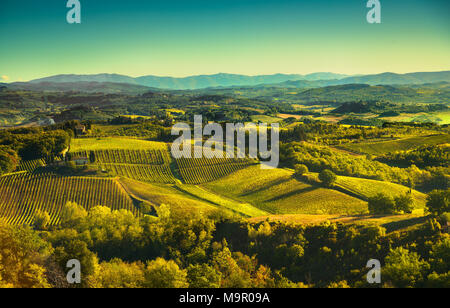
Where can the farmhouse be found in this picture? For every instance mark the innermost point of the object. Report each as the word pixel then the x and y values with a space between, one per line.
pixel 81 161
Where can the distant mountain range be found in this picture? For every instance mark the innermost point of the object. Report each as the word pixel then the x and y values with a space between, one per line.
pixel 192 82
pixel 113 83
pixel 373 80
pixel 80 86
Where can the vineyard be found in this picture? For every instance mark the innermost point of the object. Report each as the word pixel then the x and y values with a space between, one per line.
pixel 141 165
pixel 203 170
pixel 26 192
pixel 22 195
pixel 149 157
pixel 30 165
pixel 145 173
pixel 278 192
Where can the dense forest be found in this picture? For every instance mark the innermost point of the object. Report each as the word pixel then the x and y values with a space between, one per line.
pixel 117 249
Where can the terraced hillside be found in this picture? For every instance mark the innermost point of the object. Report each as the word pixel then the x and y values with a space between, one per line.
pixel 22 195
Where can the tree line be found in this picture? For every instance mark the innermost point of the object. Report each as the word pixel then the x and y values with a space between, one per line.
pixel 118 249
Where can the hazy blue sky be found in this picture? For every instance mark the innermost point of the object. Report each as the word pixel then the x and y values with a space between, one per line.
pixel 181 37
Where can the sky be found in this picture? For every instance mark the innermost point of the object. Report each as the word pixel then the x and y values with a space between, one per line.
pixel 182 38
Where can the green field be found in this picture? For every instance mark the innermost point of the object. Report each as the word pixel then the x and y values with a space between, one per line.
pixel 369 188
pixel 266 119
pixel 383 147
pixel 240 208
pixel 442 117
pixel 277 192
pixel 158 194
pixel 112 143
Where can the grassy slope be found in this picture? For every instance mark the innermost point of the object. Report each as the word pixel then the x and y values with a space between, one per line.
pixel 158 194
pixel 378 148
pixel 277 192
pixel 107 143
pixel 369 188
pixel 244 209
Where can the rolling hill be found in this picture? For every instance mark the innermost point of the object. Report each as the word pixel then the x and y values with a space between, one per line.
pixel 352 92
pixel 389 146
pixel 278 192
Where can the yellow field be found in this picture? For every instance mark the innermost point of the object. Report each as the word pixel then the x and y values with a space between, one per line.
pixel 112 143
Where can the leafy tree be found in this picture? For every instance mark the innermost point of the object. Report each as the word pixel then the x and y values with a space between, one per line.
pixel 165 274
pixel 440 255
pixel 71 245
pixel 404 269
pixel 71 215
pixel 233 276
pixel 203 276
pixel 381 204
pixel 404 203
pixel 41 220
pixel 438 202
pixel 118 274
pixel 22 258
pixel 8 160
pixel 328 178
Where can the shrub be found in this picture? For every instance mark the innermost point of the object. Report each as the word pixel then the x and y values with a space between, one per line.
pixel 301 169
pixel 328 178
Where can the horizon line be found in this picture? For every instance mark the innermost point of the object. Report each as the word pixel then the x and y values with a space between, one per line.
pixel 222 73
